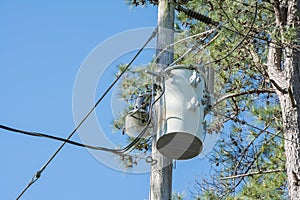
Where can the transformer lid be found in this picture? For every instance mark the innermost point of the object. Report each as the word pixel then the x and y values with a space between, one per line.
pixel 179 145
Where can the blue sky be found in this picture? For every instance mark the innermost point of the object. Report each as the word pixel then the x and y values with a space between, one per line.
pixel 43 45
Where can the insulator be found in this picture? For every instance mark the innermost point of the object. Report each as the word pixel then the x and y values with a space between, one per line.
pixel 195 15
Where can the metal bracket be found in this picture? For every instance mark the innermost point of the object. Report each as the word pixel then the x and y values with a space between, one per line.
pixel 195 79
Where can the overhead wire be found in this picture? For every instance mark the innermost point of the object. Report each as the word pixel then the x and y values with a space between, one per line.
pixel 67 140
pixel 205 33
pixel 116 151
pixel 36 134
pixel 182 40
pixel 208 20
pixel 195 46
pixel 39 172
pixel 43 135
pixel 221 25
pixel 209 32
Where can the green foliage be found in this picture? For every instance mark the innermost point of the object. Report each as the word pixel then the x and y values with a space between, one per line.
pixel 133 83
pixel 252 136
pixel 242 148
pixel 264 187
pixel 141 2
pixel 178 196
pixel 290 34
pixel 208 194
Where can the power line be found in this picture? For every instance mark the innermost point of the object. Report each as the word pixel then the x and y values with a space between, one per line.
pixel 196 46
pixel 115 151
pixel 39 172
pixel 182 40
pixel 205 33
pixel 208 20
pixel 36 134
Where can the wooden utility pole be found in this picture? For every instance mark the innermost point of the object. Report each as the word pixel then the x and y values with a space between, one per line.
pixel 161 170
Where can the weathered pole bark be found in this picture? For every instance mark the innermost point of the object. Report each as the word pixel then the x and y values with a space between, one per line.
pixel 161 171
pixel 284 72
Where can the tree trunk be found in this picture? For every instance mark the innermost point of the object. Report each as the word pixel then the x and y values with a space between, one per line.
pixel 291 123
pixel 284 73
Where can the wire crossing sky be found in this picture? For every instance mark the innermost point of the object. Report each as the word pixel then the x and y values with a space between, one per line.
pixel 42 47
pixel 39 172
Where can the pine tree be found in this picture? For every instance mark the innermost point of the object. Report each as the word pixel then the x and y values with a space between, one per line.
pixel 261 79
pixel 254 48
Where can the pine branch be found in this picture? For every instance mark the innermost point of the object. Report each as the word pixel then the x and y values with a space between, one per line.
pixel 247 148
pixel 253 173
pixel 255 91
